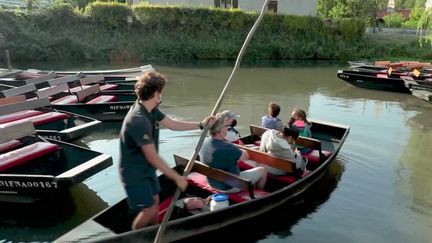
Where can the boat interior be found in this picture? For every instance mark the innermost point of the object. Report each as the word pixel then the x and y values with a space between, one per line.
pixel 325 144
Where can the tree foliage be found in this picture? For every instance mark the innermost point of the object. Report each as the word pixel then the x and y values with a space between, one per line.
pixel 349 8
pixel 401 4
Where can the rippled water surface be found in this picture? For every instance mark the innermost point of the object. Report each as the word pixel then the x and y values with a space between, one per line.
pixel 377 190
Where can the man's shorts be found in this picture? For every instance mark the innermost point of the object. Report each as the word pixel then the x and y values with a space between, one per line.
pixel 140 195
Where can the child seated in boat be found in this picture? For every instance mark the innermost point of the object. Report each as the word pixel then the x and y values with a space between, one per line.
pixel 281 144
pixel 299 120
pixel 271 120
pixel 218 153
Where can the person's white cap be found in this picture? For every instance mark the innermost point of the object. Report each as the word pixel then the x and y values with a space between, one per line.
pixel 228 114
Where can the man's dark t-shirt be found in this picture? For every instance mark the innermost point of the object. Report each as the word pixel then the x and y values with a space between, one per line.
pixel 220 155
pixel 139 127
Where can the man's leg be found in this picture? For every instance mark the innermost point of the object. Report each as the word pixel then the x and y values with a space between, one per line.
pixel 147 216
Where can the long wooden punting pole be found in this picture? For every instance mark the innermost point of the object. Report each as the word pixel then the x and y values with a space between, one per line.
pixel 8 62
pixel 218 104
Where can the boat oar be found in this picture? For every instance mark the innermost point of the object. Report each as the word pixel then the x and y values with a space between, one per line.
pixel 190 164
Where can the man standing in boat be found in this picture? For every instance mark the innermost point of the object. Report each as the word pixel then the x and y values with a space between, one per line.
pixel 139 140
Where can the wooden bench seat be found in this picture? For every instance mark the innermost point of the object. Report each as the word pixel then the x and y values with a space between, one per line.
pixel 198 178
pixel 43 118
pixel 18 116
pixel 102 87
pixel 25 154
pixel 4 147
pixel 78 88
pixel 102 99
pixel 286 179
pixel 69 99
pixel 108 87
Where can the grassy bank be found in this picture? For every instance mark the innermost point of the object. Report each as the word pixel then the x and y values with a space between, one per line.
pixel 113 31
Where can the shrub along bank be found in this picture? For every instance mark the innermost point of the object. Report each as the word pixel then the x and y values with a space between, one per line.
pixel 107 31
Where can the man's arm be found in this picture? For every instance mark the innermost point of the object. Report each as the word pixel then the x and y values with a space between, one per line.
pixel 178 125
pixel 149 151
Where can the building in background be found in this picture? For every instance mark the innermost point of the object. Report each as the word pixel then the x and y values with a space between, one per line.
pixel 11 4
pixel 291 7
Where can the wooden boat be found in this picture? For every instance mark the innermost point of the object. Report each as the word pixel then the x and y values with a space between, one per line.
pixel 49 123
pixel 75 81
pixel 378 82
pixel 384 65
pixel 113 74
pixel 423 92
pixel 92 103
pixel 32 167
pixel 88 101
pixel 113 224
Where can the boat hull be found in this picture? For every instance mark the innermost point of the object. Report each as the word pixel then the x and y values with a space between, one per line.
pixel 110 111
pixel 104 228
pixel 52 173
pixel 373 82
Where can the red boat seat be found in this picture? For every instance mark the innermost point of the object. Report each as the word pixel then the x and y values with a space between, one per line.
pixel 18 115
pixel 25 154
pixel 379 75
pixel 78 88
pixel 4 147
pixel 108 86
pixel 288 179
pixel 43 118
pixel 102 99
pixel 69 99
pixel 200 181
pixel 313 156
pixel 163 207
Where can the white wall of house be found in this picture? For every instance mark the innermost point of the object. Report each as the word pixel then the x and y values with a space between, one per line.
pixel 192 3
pixel 428 4
pixel 22 4
pixel 292 7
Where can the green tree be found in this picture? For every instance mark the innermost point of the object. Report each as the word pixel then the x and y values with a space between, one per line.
pixel 424 27
pixel 349 8
pixel 409 3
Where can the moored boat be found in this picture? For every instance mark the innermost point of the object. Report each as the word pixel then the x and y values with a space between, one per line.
pixel 113 74
pixel 421 91
pixel 113 224
pixel 377 81
pixel 32 167
pixel 49 122
pixel 88 101
pixel 74 81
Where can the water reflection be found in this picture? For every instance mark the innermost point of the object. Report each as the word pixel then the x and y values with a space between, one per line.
pixel 46 219
pixel 413 177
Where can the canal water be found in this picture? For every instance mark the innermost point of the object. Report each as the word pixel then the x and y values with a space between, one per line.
pixel 377 190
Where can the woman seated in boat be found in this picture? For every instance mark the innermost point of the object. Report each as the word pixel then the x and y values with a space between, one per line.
pixel 281 144
pixel 220 154
pixel 271 120
pixel 298 119
pixel 233 136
